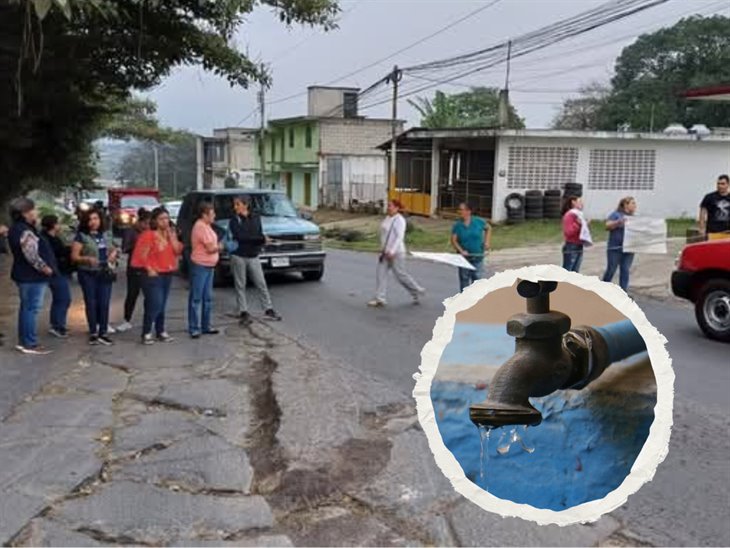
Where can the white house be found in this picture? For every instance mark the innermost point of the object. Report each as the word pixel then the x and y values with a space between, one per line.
pixel 667 173
pixel 229 155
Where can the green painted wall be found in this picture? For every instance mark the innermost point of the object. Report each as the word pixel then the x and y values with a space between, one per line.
pixel 277 158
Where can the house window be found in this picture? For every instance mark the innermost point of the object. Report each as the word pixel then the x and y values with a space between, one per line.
pixel 308 137
pixel 621 169
pixel 349 104
pixel 541 168
pixel 291 138
pixel 214 153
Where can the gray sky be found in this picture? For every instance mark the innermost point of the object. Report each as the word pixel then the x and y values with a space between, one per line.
pixel 372 29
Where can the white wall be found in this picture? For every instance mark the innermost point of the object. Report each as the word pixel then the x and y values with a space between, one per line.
pixel 685 171
pixel 364 177
pixel 354 136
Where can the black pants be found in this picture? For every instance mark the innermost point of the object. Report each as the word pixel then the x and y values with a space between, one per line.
pixel 134 287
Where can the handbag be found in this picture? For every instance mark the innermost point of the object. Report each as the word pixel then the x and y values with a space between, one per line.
pixel 107 274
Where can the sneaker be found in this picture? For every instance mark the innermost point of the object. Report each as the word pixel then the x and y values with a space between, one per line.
pixel 124 326
pixel 245 318
pixel 147 339
pixel 211 331
pixel 165 337
pixel 272 315
pixel 94 340
pixel 110 330
pixel 376 303
pixel 105 340
pixel 58 333
pixel 194 335
pixel 33 351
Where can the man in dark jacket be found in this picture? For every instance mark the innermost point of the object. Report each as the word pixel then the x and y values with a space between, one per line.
pixel 3 250
pixel 134 275
pixel 245 228
pixel 33 266
pixel 59 282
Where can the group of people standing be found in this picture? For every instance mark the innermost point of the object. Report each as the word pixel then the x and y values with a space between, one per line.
pixel 42 260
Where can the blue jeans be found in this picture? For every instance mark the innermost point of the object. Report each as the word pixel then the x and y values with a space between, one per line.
pixel 97 300
pixel 572 256
pixel 156 291
pixel 618 259
pixel 31 302
pixel 468 277
pixel 61 295
pixel 200 298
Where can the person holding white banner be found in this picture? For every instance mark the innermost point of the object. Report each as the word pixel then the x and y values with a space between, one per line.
pixel 576 233
pixel 393 257
pixel 471 237
pixel 617 258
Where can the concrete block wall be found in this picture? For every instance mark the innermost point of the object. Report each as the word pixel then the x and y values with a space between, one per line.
pixel 354 136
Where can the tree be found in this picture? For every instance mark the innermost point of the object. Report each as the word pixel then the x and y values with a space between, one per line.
pixel 583 112
pixel 652 73
pixel 72 66
pixel 478 107
pixel 177 165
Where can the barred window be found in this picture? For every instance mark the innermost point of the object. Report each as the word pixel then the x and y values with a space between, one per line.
pixel 541 168
pixel 625 169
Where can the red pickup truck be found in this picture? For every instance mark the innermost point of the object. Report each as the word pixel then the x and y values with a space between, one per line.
pixel 702 277
pixel 125 202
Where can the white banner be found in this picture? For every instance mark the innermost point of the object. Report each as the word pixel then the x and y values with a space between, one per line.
pixel 645 235
pixel 452 259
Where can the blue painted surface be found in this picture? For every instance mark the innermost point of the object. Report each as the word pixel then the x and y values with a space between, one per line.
pixel 622 339
pixel 584 448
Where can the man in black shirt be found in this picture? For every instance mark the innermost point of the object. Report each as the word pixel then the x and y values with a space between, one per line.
pixel 245 228
pixel 59 282
pixel 715 211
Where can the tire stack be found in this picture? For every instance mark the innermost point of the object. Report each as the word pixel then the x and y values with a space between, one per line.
pixel 552 203
pixel 515 205
pixel 573 189
pixel 534 204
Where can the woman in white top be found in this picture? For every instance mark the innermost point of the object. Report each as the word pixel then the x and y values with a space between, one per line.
pixel 393 256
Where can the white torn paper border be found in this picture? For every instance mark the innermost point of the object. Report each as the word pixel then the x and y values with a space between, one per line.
pixel 652 453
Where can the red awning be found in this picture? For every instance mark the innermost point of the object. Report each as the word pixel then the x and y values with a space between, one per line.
pixel 710 93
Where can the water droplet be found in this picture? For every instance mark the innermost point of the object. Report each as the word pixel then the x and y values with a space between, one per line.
pixel 484 433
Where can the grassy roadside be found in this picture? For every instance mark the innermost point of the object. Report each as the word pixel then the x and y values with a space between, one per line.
pixel 360 233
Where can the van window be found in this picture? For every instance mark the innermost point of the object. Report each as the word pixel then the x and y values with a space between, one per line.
pixel 266 205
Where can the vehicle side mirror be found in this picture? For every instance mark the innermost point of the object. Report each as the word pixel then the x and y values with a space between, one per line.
pixel 306 215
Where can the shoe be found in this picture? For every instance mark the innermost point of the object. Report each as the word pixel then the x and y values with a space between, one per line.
pixel 376 303
pixel 165 337
pixel 105 340
pixel 211 331
pixel 124 326
pixel 58 333
pixel 94 340
pixel 272 315
pixel 33 351
pixel 194 335
pixel 420 292
pixel 245 318
pixel 110 330
pixel 147 339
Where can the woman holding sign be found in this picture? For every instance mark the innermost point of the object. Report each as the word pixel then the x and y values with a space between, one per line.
pixel 617 258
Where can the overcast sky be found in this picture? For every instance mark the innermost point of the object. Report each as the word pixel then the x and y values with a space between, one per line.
pixel 370 30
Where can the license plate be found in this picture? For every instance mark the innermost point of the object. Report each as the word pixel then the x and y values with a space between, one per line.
pixel 280 262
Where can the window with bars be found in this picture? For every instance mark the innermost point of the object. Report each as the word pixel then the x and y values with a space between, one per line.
pixel 541 168
pixel 621 169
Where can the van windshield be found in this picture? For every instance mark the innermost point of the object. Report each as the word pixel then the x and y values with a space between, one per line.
pixel 265 205
pixel 138 201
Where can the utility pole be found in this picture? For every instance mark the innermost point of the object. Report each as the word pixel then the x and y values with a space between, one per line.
pixel 394 78
pixel 651 119
pixel 504 94
pixel 262 131
pixel 174 183
pixel 157 167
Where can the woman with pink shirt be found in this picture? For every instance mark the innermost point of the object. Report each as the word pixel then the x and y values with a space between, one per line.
pixel 203 259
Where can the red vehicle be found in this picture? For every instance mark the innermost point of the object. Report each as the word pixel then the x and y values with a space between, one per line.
pixel 125 202
pixel 703 277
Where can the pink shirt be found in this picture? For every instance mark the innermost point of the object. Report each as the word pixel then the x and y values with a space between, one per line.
pixel 571 228
pixel 202 238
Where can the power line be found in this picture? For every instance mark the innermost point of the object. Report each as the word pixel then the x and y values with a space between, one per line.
pixel 397 52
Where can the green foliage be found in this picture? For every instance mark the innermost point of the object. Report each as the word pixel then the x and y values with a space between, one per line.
pixel 652 74
pixel 69 68
pixel 478 107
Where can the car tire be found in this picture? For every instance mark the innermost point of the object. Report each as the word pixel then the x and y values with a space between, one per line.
pixel 313 275
pixel 712 309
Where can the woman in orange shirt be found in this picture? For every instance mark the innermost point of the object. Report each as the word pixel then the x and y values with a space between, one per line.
pixel 156 253
pixel 203 259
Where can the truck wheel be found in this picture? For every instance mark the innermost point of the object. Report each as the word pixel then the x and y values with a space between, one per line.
pixel 712 309
pixel 313 275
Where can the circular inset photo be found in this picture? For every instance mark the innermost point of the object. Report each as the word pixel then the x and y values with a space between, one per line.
pixel 546 395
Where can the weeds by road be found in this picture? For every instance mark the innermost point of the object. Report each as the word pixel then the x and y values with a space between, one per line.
pixel 355 232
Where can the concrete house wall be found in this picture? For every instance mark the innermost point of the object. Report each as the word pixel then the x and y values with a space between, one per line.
pixel 667 175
